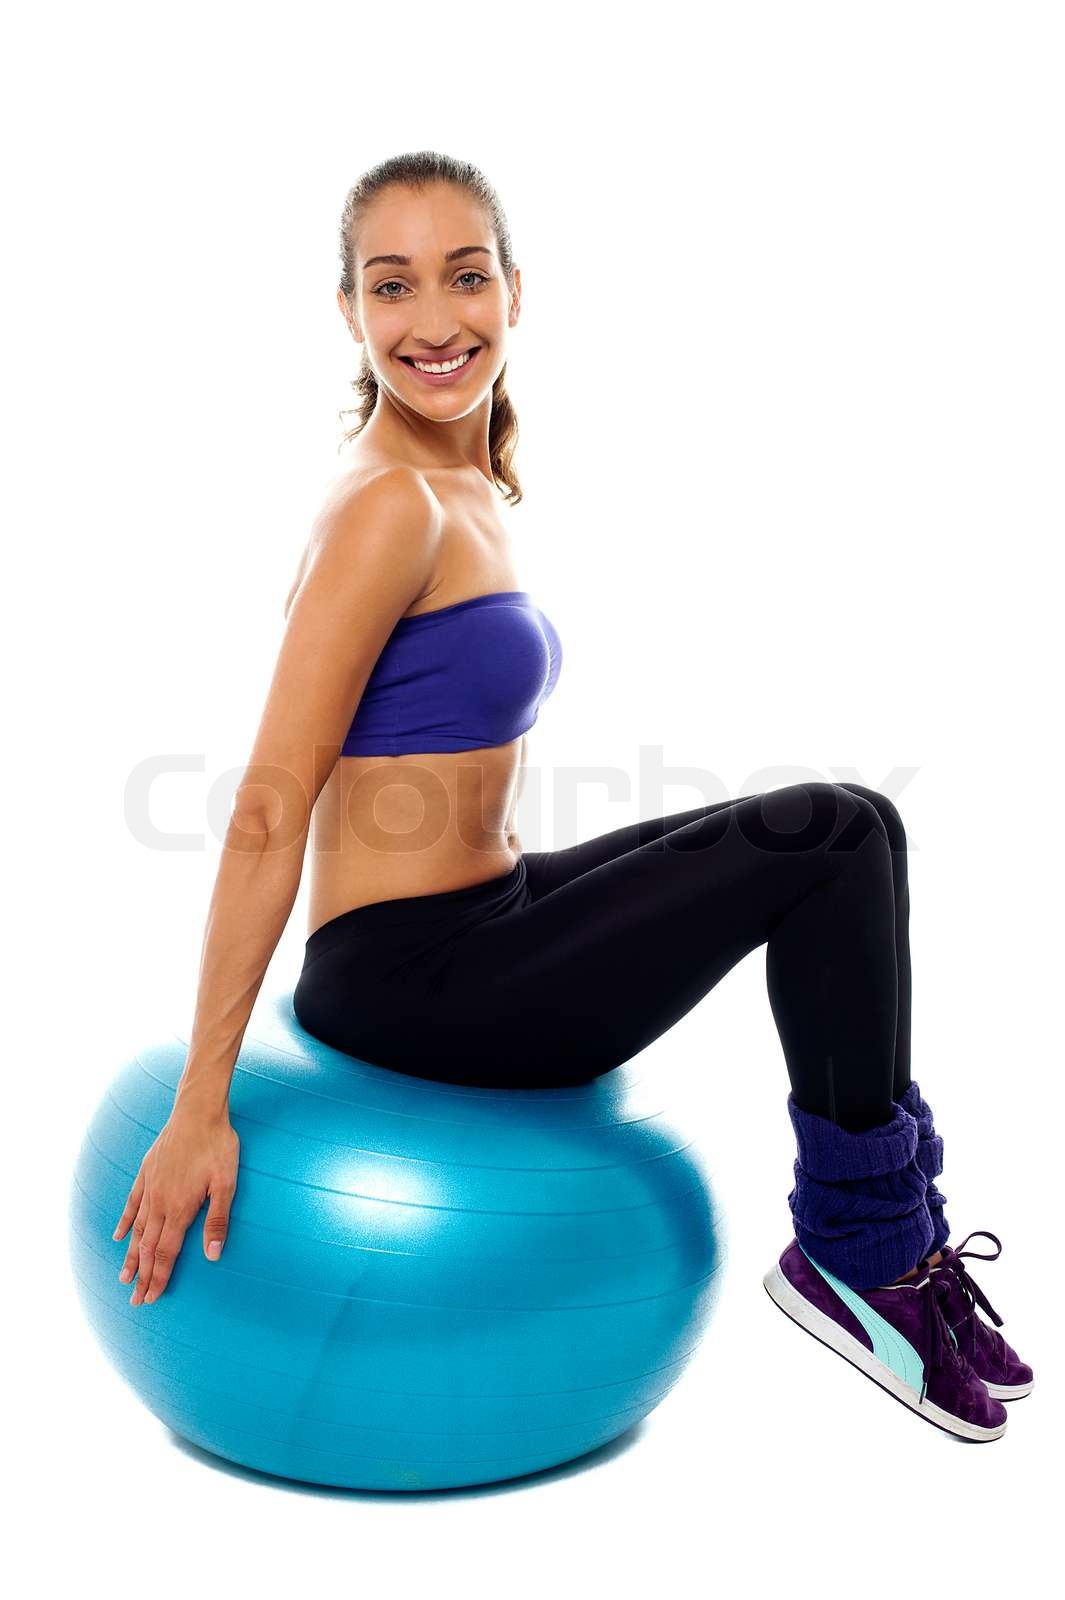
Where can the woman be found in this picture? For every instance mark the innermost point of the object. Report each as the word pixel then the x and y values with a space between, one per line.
pixel 393 739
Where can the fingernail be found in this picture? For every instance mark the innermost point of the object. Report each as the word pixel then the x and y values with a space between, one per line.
pixel 124 1275
pixel 214 1250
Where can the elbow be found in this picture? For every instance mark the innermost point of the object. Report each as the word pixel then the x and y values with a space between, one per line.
pixel 255 830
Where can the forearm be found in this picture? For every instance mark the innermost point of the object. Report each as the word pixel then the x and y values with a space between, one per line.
pixel 254 892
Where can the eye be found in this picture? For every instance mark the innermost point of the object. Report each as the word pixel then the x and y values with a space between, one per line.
pixel 472 288
pixel 470 273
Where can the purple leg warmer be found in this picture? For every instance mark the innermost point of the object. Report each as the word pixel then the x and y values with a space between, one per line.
pixel 929 1159
pixel 859 1198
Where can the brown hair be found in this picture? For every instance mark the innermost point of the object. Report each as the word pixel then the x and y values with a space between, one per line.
pixel 418 170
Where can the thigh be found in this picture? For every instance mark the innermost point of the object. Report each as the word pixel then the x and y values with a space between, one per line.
pixel 547 870
pixel 574 982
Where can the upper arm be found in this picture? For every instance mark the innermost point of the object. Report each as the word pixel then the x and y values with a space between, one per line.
pixel 370 556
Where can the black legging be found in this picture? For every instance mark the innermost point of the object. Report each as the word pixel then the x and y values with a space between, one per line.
pixel 568 965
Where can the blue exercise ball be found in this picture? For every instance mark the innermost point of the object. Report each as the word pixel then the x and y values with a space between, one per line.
pixel 424 1285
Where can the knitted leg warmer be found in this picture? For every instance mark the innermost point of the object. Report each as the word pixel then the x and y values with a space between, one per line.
pixel 859 1198
pixel 929 1159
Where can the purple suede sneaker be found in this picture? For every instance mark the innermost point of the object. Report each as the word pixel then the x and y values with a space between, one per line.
pixel 897 1335
pixel 1007 1377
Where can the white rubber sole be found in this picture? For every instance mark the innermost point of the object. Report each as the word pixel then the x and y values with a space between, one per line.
pixel 815 1321
pixel 1002 1392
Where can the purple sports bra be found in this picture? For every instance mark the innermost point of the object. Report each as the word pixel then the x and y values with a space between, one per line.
pixel 463 677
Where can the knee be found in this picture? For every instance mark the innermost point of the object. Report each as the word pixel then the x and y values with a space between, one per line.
pixel 838 816
pixel 885 810
pixel 802 816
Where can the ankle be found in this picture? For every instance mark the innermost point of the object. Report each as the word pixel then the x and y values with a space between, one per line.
pixel 929 1261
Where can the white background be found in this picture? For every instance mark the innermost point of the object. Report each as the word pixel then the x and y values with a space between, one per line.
pixel 789 381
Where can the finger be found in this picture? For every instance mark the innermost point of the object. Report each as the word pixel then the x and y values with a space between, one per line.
pixel 166 1253
pixel 216 1226
pixel 146 1262
pixel 131 1208
pixel 133 1254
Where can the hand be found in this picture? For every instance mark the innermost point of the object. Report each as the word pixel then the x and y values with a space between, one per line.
pixel 194 1156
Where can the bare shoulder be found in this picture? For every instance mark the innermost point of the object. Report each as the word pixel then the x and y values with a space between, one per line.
pixel 390 505
pixel 397 492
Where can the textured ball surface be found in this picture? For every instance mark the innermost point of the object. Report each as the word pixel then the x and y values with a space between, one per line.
pixel 424 1285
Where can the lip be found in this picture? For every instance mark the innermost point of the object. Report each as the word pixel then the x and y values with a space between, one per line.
pixel 442 379
pixel 437 355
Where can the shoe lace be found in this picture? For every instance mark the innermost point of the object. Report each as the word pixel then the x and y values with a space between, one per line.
pixel 970 1325
pixel 941 1348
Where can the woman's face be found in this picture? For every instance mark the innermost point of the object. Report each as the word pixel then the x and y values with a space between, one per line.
pixel 446 297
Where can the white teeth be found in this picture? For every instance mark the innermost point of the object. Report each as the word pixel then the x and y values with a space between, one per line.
pixel 446 366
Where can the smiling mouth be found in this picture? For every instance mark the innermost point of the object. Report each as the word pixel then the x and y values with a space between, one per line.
pixel 461 357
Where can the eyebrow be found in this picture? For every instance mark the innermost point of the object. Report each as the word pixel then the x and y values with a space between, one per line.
pixel 449 255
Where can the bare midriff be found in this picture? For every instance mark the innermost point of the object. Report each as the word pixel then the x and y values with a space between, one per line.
pixel 386 827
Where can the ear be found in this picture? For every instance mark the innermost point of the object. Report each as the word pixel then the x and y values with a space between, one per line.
pixel 515 299
pixel 348 316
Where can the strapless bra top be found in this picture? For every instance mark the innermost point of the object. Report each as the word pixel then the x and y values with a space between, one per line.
pixel 463 677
